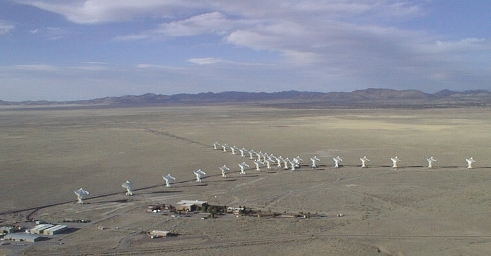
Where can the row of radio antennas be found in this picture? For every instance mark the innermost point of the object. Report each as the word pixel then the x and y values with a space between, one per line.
pixel 261 159
pixel 260 156
pixel 128 185
pixel 395 160
pixel 264 158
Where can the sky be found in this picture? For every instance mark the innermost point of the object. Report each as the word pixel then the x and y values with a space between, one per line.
pixel 85 49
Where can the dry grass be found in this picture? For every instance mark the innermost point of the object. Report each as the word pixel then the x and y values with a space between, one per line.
pixel 46 154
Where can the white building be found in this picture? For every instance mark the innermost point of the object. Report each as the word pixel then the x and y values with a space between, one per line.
pixel 40 228
pixel 55 230
pixel 22 237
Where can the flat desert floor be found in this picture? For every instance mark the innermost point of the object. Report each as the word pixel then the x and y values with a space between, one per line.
pixel 46 154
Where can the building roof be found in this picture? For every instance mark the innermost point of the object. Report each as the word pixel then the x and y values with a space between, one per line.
pixel 192 202
pixel 42 227
pixel 7 228
pixel 56 228
pixel 160 232
pixel 22 236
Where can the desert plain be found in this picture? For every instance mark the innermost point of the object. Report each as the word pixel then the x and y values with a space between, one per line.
pixel 49 152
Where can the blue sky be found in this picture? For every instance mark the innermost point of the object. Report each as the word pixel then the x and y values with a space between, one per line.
pixel 83 49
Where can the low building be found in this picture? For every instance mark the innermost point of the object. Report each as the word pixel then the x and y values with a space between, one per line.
pixel 235 210
pixel 159 233
pixel 190 205
pixel 55 230
pixel 22 237
pixel 7 229
pixel 204 215
pixel 40 228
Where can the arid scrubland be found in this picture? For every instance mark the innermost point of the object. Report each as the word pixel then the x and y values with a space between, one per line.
pixel 46 154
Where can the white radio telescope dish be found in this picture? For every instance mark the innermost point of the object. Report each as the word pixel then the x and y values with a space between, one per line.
pixel 224 146
pixel 470 161
pixel 314 160
pixel 286 161
pixel 234 150
pixel 242 151
pixel 216 145
pixel 128 185
pixel 168 179
pixel 251 154
pixel 292 164
pixel 278 161
pixel 337 160
pixel 199 174
pixel 259 155
pixel 242 166
pixel 258 163
pixel 81 193
pixel 224 170
pixel 430 162
pixel 394 161
pixel 297 160
pixel 364 161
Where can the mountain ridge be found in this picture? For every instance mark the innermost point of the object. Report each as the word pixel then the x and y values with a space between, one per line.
pixel 370 96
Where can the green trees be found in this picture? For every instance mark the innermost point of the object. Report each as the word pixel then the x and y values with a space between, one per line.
pixel 212 210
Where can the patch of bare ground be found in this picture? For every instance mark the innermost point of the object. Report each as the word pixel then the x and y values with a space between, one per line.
pixel 410 210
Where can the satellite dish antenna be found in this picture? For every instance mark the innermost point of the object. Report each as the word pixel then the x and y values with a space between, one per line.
pixel 234 148
pixel 268 163
pixel 168 179
pixel 81 193
pixel 224 147
pixel 259 155
pixel 242 151
pixel 364 161
pixel 251 153
pixel 285 162
pixel 292 164
pixel 274 160
pixel 314 161
pixel 430 162
pixel 337 160
pixel 216 145
pixel 394 161
pixel 258 163
pixel 470 161
pixel 278 161
pixel 199 174
pixel 224 170
pixel 128 185
pixel 242 166
pixel 297 160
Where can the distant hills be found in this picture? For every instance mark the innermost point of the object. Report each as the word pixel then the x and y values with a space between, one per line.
pixel 368 98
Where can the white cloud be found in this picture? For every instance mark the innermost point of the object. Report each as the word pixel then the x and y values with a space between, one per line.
pixel 52 33
pixel 153 66
pixel 348 43
pixel 208 23
pixel 5 27
pixel 100 11
pixel 34 67
pixel 466 44
pixel 95 63
pixel 214 23
pixel 204 61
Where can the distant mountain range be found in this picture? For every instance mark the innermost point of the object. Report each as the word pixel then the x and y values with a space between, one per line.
pixel 296 99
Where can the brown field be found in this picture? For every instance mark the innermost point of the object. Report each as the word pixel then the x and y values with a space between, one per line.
pixel 47 154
